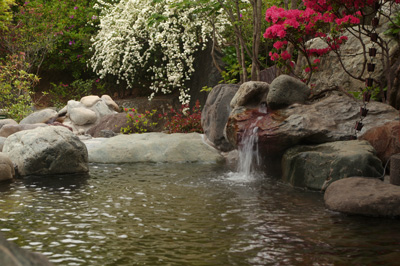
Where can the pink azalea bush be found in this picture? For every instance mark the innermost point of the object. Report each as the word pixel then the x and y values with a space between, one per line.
pixel 298 26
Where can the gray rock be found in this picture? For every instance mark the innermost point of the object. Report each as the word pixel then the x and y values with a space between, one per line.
pixel 110 102
pixel 10 129
pixel 215 114
pixel 81 116
pixel 286 90
pixel 250 93
pixel 2 140
pixel 6 168
pixel 363 196
pixel 7 122
pixel 330 72
pixel 152 147
pixel 90 100
pixel 12 255
pixel 330 119
pixel 316 166
pixel 41 116
pixel 47 151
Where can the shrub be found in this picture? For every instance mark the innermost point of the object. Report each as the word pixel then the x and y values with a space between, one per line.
pixel 137 122
pixel 184 120
pixel 16 87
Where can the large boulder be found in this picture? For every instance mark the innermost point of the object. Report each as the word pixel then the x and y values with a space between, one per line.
pixel 330 72
pixel 152 147
pixel 363 196
pixel 215 115
pixel 316 166
pixel 331 118
pixel 286 90
pixel 12 255
pixel 10 129
pixel 47 151
pixel 41 116
pixel 385 139
pixel 6 168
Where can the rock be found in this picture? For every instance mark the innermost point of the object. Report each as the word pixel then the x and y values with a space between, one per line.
pixel 385 139
pixel 286 90
pixel 12 255
pixel 81 116
pixel 107 133
pixel 41 116
pixel 9 129
pixel 47 151
pixel 250 93
pixel 110 102
pixel 6 168
pixel 90 100
pixel 2 140
pixel 330 73
pixel 330 119
pixel 7 122
pixel 152 147
pixel 363 196
pixel 316 166
pixel 215 115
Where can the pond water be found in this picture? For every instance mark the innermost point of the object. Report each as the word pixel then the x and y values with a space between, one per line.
pixel 187 214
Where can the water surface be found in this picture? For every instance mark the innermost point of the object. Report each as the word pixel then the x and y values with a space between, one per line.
pixel 187 214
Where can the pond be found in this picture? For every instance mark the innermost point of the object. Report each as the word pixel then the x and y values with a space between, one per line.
pixel 187 214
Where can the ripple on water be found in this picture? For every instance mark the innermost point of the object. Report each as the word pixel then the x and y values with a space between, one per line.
pixel 186 214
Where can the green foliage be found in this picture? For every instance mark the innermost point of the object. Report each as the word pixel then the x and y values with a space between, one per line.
pixel 184 120
pixel 394 26
pixel 16 87
pixel 5 14
pixel 61 93
pixel 375 91
pixel 137 122
pixel 53 34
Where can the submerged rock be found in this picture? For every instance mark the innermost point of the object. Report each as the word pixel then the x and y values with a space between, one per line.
pixel 215 115
pixel 47 151
pixel 317 166
pixel 12 255
pixel 364 196
pixel 152 147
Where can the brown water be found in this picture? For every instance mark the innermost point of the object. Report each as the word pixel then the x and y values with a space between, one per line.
pixel 149 214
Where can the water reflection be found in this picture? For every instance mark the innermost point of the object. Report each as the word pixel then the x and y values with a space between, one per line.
pixel 187 215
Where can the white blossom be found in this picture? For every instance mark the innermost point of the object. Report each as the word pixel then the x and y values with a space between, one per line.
pixel 146 37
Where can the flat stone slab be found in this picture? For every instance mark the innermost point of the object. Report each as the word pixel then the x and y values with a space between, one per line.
pixel 152 147
pixel 363 196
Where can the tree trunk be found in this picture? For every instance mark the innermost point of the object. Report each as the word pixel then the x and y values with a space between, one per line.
pixel 257 18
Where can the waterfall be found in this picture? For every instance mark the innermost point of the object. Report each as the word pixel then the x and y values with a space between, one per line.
pixel 249 158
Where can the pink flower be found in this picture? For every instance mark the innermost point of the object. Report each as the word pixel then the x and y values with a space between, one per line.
pixel 72 16
pixel 285 55
pixel 307 69
pixel 278 45
pixel 317 61
pixel 75 7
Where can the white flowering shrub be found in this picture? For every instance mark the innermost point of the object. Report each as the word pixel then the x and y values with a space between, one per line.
pixel 153 40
